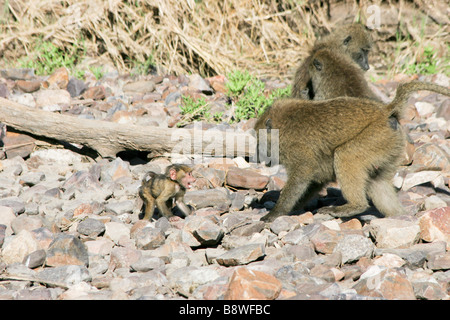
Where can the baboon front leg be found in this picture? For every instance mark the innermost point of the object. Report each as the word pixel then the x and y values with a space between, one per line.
pixel 294 190
pixel 163 208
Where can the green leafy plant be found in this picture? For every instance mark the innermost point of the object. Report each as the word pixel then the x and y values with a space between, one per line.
pixel 193 110
pixel 47 57
pixel 426 66
pixel 248 93
pixel 237 81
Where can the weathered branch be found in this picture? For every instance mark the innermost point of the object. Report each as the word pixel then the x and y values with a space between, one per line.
pixel 109 138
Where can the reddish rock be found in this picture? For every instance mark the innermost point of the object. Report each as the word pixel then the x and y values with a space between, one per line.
pixel 83 209
pixel 221 164
pixel 58 80
pixel 305 218
pixel 95 93
pixel 28 86
pixel 17 144
pixel 430 155
pixel 218 83
pixel 242 178
pixel 435 225
pixel 248 284
pixel 353 224
pixel 394 233
pixel 325 241
pixel 385 283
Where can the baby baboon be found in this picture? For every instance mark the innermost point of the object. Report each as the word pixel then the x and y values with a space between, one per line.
pixel 347 139
pixel 354 41
pixel 161 189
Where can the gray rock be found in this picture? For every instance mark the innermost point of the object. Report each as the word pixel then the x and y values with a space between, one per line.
pixel 207 198
pixel 353 247
pixel 196 81
pixel 120 207
pixel 68 275
pixel 2 234
pixel 14 203
pixel 35 259
pixel 147 263
pixel 283 223
pixel 417 254
pixel 149 238
pixel 32 178
pixel 24 222
pixel 186 279
pixel 17 74
pixel 249 228
pixel 76 87
pixel 238 201
pixel 295 237
pixel 91 227
pixel 204 229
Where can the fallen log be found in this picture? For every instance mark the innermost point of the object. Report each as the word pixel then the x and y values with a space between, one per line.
pixel 109 138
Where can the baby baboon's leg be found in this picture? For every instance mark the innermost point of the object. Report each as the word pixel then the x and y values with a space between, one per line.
pixel 149 203
pixel 384 197
pixel 295 188
pixel 161 203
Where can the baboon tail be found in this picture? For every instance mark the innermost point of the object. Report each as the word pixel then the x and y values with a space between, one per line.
pixel 148 176
pixel 404 90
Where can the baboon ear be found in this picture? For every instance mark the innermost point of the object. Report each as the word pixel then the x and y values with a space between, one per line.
pixel 347 40
pixel 269 124
pixel 317 64
pixel 173 174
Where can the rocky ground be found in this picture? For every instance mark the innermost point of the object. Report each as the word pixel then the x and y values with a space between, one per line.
pixel 70 226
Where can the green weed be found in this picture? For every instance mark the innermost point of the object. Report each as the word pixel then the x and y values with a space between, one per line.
pixel 47 57
pixel 193 110
pixel 248 94
pixel 426 66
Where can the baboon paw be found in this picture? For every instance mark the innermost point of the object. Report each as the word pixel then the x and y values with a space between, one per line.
pixel 268 218
pixel 327 210
pixel 340 212
pixel 332 211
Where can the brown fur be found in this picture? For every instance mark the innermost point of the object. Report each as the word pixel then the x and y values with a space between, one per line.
pixel 354 41
pixel 336 75
pixel 347 139
pixel 161 189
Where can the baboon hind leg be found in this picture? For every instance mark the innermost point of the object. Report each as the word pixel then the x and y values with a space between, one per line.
pixel 384 197
pixel 353 186
pixel 149 204
pixel 353 163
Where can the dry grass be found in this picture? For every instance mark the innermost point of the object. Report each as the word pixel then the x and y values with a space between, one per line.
pixel 266 37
